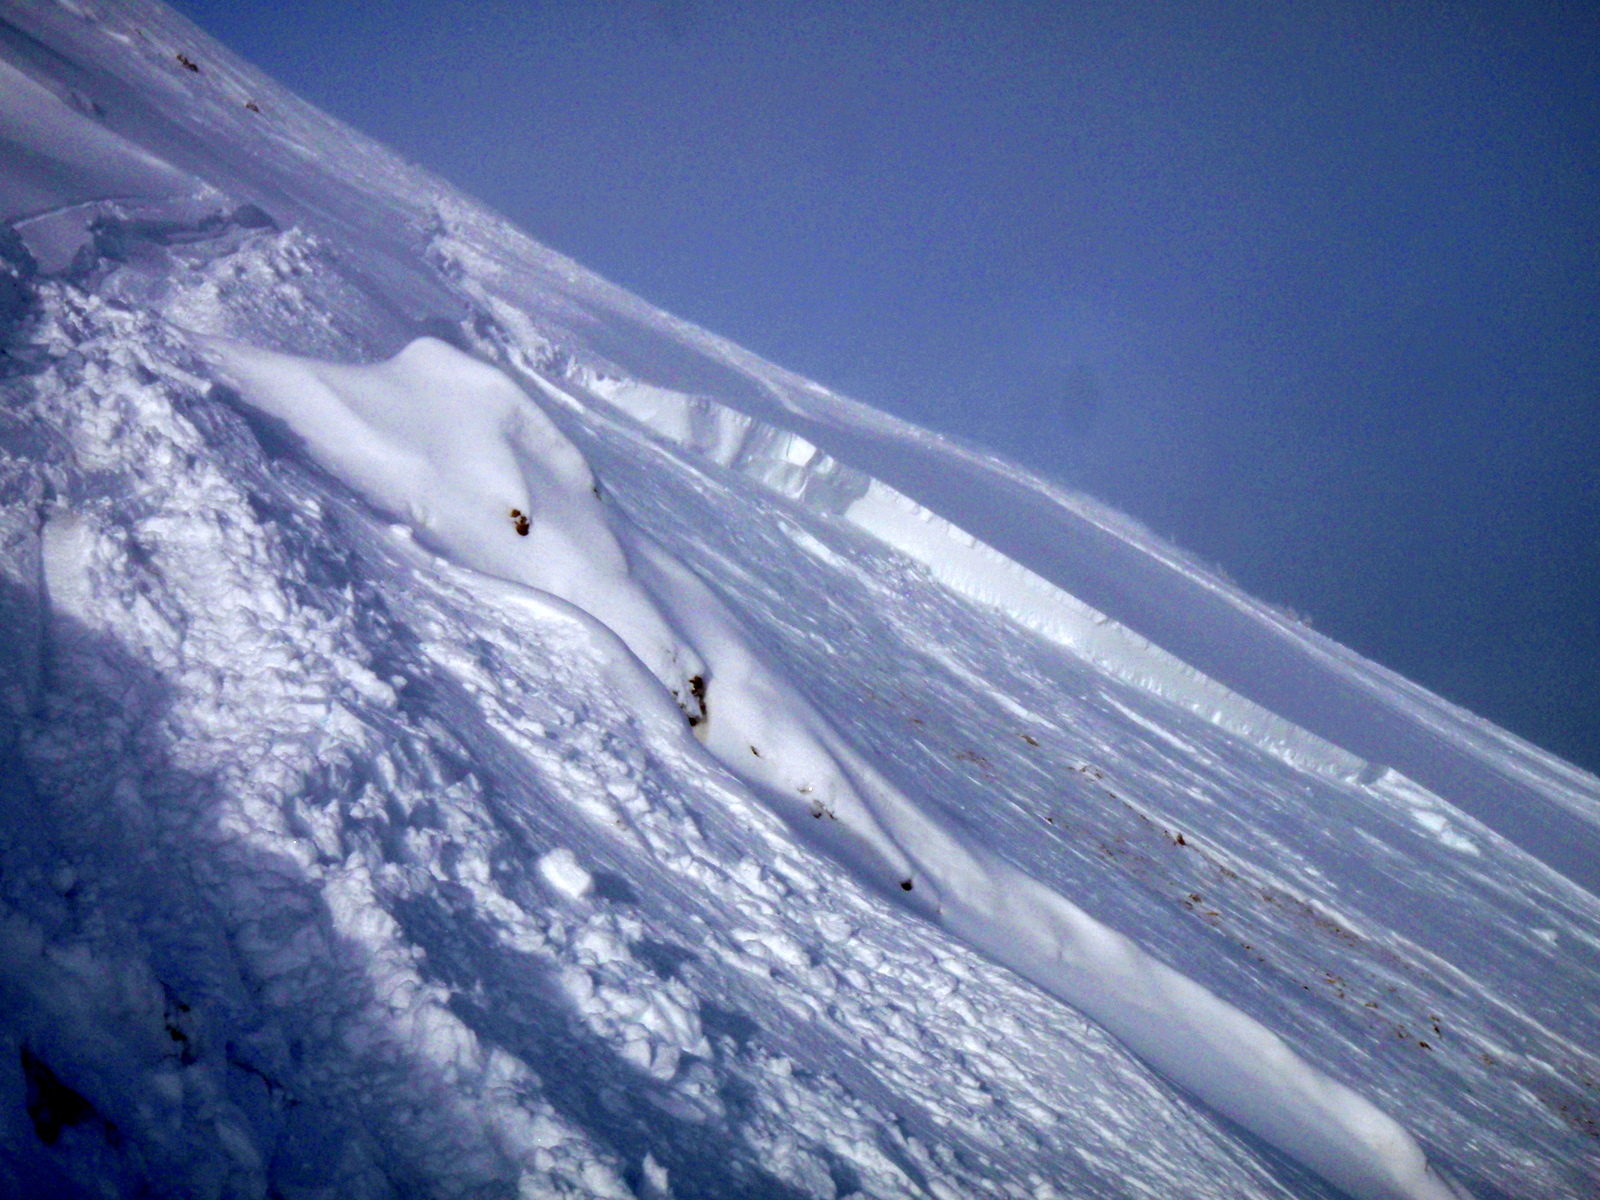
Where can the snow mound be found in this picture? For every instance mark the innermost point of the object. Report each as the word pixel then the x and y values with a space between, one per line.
pixel 481 474
pixel 819 810
pixel 455 448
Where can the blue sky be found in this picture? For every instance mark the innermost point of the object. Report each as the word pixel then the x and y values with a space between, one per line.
pixel 1312 289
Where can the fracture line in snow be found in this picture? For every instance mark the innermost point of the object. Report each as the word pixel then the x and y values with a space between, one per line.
pixel 789 465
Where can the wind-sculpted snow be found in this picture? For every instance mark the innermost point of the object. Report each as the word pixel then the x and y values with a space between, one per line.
pixel 792 466
pixel 281 908
pixel 58 155
pixel 454 447
pixel 479 472
pixel 354 842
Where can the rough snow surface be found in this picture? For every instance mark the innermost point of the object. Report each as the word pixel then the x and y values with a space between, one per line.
pixel 356 841
pixel 452 444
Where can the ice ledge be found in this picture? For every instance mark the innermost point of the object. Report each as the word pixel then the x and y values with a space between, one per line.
pixel 789 465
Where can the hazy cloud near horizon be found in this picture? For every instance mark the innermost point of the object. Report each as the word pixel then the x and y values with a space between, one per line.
pixel 1314 290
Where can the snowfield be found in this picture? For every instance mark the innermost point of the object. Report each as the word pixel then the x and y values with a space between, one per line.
pixel 469 734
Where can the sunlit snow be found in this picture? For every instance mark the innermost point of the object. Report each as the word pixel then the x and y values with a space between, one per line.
pixel 467 733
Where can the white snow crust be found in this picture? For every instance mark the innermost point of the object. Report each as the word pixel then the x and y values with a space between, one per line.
pixel 466 733
pixel 452 444
pixel 481 474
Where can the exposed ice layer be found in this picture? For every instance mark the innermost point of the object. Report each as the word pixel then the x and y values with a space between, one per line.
pixel 971 568
pixel 783 461
pixel 454 447
pixel 793 467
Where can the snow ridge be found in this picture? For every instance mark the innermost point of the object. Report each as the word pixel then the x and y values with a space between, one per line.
pixel 428 435
pixel 420 777
pixel 793 467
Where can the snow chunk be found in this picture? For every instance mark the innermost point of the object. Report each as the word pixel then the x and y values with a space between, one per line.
pixel 655 1176
pixel 66 550
pixel 561 871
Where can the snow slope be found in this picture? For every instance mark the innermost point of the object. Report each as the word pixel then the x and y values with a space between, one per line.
pixel 469 733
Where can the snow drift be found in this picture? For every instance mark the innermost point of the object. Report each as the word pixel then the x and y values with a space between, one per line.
pixel 452 445
pixel 468 733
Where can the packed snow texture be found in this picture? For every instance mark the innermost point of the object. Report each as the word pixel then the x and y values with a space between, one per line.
pixel 468 733
pixel 481 474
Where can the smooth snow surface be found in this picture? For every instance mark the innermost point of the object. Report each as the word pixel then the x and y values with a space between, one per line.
pixel 480 472
pixel 466 733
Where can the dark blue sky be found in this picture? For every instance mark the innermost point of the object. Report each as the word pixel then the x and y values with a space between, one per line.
pixel 1312 289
